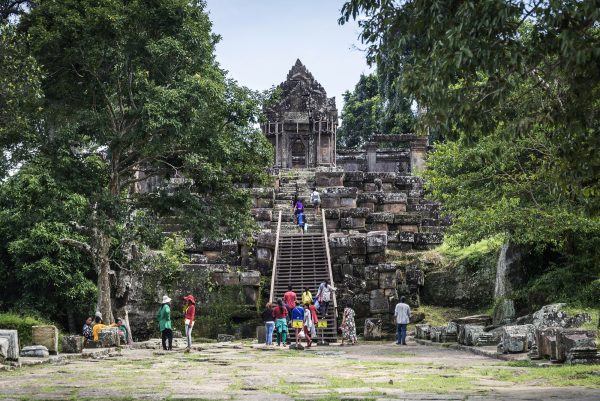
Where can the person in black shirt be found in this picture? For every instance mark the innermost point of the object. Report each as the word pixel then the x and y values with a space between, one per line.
pixel 267 317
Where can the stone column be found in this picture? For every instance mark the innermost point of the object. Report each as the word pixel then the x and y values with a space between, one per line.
pixel 418 153
pixel 371 157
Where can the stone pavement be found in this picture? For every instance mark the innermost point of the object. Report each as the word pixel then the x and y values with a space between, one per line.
pixel 230 371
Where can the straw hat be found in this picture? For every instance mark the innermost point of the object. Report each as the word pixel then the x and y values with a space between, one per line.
pixel 166 299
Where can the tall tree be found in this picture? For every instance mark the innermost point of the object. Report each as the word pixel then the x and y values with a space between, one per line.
pixel 132 90
pixel 514 88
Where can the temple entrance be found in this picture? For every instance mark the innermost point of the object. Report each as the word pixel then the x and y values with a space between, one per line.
pixel 298 154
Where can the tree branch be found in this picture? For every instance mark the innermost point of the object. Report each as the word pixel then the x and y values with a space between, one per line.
pixel 82 246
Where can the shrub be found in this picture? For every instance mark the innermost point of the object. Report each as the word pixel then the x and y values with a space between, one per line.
pixel 13 321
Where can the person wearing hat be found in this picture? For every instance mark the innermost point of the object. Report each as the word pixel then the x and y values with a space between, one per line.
pixel 164 322
pixel 189 315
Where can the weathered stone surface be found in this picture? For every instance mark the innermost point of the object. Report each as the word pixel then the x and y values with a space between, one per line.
pixel 261 334
pixel 329 178
pixel 109 337
pixel 266 240
pixel 479 320
pixel 376 241
pixel 416 317
pixel 407 237
pixel 553 316
pixel 198 258
pixel 358 244
pixel 251 278
pixel 225 278
pixel 373 329
pixel 35 351
pixel 224 338
pixel 378 302
pixel 3 348
pixel 381 176
pixel 46 336
pixel 414 275
pixel 472 333
pixel 355 212
pixel 12 350
pixel 575 340
pixel 72 344
pixel 428 238
pixel 422 331
pixel 373 258
pixel 338 244
pixel 333 214
pixel 387 280
pixel 504 312
pixel 381 217
pixel 516 339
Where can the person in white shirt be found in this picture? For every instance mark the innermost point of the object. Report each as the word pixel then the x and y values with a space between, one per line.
pixel 402 316
pixel 324 296
pixel 315 198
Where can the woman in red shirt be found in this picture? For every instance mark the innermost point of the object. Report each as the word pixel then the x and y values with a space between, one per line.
pixel 190 314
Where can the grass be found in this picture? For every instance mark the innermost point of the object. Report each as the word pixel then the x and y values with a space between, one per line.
pixel 554 376
pixel 573 310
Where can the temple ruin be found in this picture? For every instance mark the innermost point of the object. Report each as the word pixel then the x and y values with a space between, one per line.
pixel 302 124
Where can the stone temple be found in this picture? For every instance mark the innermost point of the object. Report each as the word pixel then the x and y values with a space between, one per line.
pixel 302 123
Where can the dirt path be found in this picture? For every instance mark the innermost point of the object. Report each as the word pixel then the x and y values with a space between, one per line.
pixel 241 372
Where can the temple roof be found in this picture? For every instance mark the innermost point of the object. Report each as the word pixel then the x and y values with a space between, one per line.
pixel 301 93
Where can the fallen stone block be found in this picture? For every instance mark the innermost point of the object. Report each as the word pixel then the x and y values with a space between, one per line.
pixel 225 338
pixel 46 336
pixel 12 336
pixel 251 278
pixel 422 331
pixel 109 337
pixel 516 339
pixel 3 348
pixel 35 351
pixel 373 329
pixel 72 344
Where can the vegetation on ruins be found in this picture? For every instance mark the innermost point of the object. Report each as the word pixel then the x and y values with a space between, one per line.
pixel 373 106
pixel 512 88
pixel 101 95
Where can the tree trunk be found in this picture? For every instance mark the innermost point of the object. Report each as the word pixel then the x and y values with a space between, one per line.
pixel 104 297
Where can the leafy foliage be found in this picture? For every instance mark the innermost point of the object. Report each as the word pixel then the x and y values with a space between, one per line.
pixel 513 88
pixel 373 107
pixel 138 122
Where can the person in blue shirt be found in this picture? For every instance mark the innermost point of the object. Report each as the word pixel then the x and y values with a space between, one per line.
pixel 301 218
pixel 297 315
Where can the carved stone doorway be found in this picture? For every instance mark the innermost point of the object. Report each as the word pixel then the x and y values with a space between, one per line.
pixel 298 154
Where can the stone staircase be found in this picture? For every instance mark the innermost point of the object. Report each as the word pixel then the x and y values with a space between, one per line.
pixel 302 263
pixel 295 182
pixel 301 259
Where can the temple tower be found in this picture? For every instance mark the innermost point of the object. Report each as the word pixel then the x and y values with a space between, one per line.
pixel 302 124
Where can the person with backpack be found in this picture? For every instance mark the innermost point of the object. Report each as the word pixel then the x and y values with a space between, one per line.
pixel 315 198
pixel 300 216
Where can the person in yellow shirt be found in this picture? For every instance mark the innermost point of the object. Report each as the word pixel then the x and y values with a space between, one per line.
pixel 98 326
pixel 307 297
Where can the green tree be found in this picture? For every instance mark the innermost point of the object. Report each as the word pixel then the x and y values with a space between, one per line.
pixel 374 106
pixel 513 87
pixel 132 91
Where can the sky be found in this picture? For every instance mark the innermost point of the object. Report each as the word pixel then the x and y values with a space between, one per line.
pixel 261 40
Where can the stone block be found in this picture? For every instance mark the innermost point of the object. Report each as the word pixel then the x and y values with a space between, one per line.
pixel 3 348
pixel 358 259
pixel 378 302
pixel 332 225
pixel 225 338
pixel 225 278
pixel 372 273
pixel 261 334
pixel 414 276
pixel 358 244
pixel 375 258
pixel 250 294
pixel 339 244
pixel 376 241
pixel 387 280
pixel 381 217
pixel 264 203
pixel 212 245
pixel 348 202
pixel 406 237
pixel 72 344
pixel 569 339
pixel 264 256
pixel 355 212
pixel 554 316
pixel 35 351
pixel 373 329
pixel 416 317
pixel 266 240
pixel 329 178
pixel 109 337
pixel 332 214
pixel 429 238
pixel 250 278
pixel 516 339
pixel 198 259
pixel 394 208
pixel 46 336
pixel 12 349
pixel 504 312
pixel 471 334
pixel 214 257
pixel 422 331
pixel 407 219
pixel 480 320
